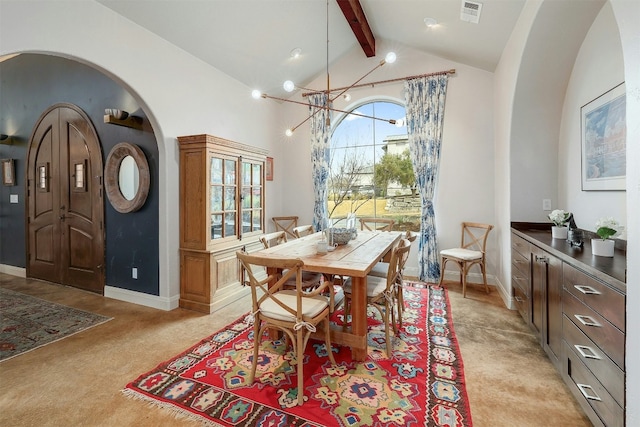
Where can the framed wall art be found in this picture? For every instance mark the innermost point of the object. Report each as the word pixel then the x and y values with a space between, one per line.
pixel 8 172
pixel 269 169
pixel 604 141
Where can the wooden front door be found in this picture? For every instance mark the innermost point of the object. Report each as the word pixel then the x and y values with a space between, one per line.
pixel 65 200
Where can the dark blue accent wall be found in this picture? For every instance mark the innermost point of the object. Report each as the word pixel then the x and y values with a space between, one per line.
pixel 29 84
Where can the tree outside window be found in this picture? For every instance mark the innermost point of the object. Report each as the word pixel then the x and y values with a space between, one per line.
pixel 370 169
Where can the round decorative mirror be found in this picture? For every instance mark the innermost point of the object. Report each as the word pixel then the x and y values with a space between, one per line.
pixel 127 177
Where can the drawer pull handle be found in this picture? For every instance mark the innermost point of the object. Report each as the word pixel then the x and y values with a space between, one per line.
pixel 587 320
pixel 587 290
pixel 518 299
pixel 587 352
pixel 583 389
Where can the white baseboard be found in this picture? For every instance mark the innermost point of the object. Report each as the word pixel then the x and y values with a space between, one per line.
pixel 153 301
pixel 14 271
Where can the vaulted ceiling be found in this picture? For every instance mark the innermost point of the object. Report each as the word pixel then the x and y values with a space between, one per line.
pixel 251 40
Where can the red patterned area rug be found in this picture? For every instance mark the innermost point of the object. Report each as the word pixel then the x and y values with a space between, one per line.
pixel 421 385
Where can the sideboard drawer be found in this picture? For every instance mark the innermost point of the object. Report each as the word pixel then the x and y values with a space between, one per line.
pixel 603 368
pixel 606 336
pixel 520 280
pixel 588 389
pixel 521 264
pixel 520 245
pixel 522 302
pixel 606 301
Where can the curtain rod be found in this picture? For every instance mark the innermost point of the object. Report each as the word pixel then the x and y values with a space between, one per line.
pixel 437 73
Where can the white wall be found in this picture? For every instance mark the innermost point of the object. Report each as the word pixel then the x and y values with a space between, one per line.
pixel 627 13
pixel 206 101
pixel 465 190
pixel 506 74
pixel 601 46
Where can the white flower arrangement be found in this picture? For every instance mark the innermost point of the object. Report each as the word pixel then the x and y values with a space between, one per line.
pixel 607 228
pixel 559 217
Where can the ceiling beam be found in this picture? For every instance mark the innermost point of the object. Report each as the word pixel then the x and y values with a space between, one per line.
pixel 352 10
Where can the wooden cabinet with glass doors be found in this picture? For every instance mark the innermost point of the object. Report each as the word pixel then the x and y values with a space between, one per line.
pixel 221 211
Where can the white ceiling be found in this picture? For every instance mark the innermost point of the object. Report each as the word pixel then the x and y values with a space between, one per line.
pixel 251 40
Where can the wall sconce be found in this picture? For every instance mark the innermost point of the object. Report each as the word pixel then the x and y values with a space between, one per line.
pixel 5 139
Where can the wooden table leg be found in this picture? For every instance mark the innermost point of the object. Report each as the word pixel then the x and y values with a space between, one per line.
pixel 359 316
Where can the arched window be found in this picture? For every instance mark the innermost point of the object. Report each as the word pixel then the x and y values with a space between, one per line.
pixel 370 169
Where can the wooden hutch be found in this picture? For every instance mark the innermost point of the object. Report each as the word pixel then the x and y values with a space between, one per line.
pixel 221 211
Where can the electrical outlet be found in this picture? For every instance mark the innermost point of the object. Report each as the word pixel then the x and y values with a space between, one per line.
pixel 134 272
pixel 546 204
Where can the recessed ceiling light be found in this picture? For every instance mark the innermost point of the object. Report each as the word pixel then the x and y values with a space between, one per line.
pixel 295 53
pixel 430 22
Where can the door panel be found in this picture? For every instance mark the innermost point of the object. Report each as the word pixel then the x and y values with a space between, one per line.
pixel 66 233
pixel 44 230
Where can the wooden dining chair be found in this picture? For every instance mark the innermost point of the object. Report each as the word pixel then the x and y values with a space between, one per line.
pixel 272 239
pixel 303 230
pixel 294 312
pixel 472 251
pixel 310 280
pixel 381 269
pixel 382 292
pixel 376 224
pixel 286 224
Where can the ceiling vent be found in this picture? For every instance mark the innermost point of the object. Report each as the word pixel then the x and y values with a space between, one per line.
pixel 470 11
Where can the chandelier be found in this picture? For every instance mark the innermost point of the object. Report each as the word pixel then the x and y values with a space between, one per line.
pixel 289 86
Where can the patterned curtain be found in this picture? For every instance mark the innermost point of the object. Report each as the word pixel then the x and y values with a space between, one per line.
pixel 424 100
pixel 319 157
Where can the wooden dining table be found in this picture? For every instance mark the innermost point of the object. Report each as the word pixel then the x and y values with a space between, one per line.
pixel 354 260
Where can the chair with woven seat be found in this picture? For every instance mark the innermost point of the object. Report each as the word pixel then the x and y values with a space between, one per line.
pixel 381 269
pixel 294 312
pixel 382 292
pixel 376 224
pixel 303 230
pixel 472 251
pixel 286 224
pixel 310 280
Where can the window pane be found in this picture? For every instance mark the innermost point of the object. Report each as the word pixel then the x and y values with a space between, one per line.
pixel 257 220
pixel 216 171
pixel 216 198
pixel 229 198
pixel 246 197
pixel 257 174
pixel 229 224
pixel 230 171
pixel 256 203
pixel 246 221
pixel 216 226
pixel 246 173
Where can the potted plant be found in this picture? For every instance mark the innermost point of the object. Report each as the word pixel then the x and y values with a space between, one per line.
pixel 606 228
pixel 559 219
